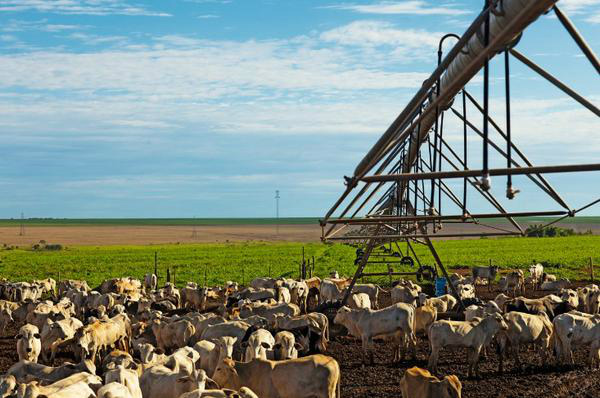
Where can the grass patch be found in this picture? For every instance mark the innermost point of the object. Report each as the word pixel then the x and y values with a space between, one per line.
pixel 566 257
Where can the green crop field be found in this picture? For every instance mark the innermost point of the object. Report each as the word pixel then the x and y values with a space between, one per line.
pixel 566 256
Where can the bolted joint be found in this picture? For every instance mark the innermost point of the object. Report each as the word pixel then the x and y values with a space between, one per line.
pixel 511 192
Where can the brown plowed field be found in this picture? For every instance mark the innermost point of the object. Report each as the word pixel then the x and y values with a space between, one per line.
pixel 144 235
pixel 72 235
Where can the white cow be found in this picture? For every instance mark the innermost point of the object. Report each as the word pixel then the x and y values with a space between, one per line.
pixel 396 321
pixel 474 335
pixel 523 329
pixel 285 346
pixel 259 343
pixel 29 343
pixel 577 328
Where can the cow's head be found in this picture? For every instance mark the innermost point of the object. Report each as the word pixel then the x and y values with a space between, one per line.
pixel 226 376
pixel 341 317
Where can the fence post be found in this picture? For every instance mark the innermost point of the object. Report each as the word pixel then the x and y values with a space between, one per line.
pixel 592 269
pixel 168 275
pixel 156 264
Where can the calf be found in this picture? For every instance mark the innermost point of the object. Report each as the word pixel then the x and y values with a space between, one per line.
pixel 315 376
pixel 371 290
pixel 29 344
pixel 285 346
pixel 150 282
pixel 113 390
pixel 424 317
pixel 537 271
pixel 126 377
pixel 259 343
pixel 101 335
pixel 474 335
pixel 54 334
pixel 25 371
pixel 419 383
pixel 522 329
pixel 77 385
pixel 442 303
pixel 404 294
pixel 488 273
pixel 358 301
pixel 212 353
pixel 329 291
pixel 514 282
pixel 576 329
pixel 172 335
pixel 570 296
pixel 396 321
pixel 161 382
pixel 556 285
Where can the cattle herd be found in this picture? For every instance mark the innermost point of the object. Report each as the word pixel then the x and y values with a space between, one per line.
pixel 131 339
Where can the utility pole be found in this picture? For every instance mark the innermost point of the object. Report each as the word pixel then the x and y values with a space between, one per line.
pixel 277 211
pixel 22 226
pixel 194 232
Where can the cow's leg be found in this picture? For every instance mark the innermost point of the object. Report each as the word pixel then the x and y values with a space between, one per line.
pixel 433 359
pixel 476 352
pixel 515 345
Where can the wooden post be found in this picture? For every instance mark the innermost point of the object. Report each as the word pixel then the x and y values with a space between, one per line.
pixel 592 269
pixel 390 270
pixel 156 264
pixel 168 275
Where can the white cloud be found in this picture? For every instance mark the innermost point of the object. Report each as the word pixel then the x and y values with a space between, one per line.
pixel 88 7
pixel 208 16
pixel 412 7
pixel 589 8
pixel 375 33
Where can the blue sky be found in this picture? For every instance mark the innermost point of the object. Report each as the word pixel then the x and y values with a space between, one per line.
pixel 203 108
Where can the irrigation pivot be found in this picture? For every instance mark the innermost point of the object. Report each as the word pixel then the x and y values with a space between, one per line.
pixel 415 179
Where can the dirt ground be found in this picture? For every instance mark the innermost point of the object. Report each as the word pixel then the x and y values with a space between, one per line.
pixel 537 380
pixel 145 235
